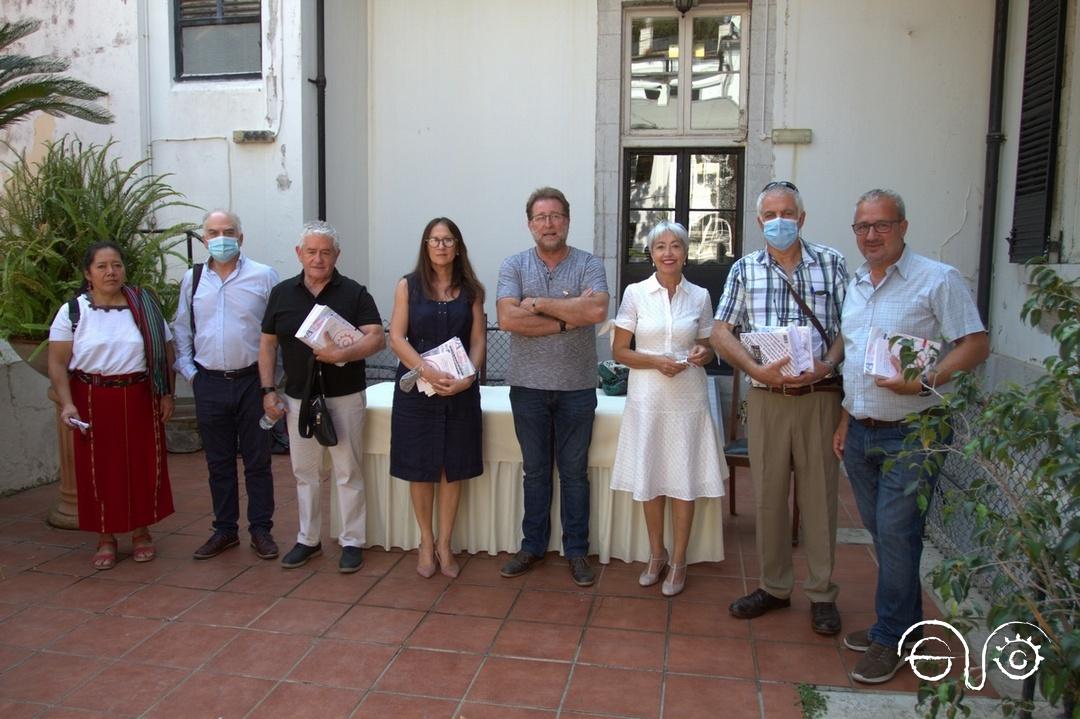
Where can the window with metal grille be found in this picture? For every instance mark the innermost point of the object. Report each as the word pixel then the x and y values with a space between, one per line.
pixel 701 188
pixel 217 39
pixel 1039 119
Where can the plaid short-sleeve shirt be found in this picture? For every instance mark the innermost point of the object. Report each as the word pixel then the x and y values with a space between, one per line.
pixel 756 294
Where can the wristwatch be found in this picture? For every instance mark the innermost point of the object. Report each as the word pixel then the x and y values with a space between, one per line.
pixel 268 390
pixel 927 385
pixel 832 367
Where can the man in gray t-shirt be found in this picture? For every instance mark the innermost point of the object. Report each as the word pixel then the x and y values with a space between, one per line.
pixel 548 298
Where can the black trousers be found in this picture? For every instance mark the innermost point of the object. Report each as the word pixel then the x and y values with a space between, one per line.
pixel 228 413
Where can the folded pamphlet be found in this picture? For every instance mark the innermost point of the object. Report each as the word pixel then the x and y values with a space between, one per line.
pixel 881 346
pixel 449 357
pixel 770 344
pixel 322 322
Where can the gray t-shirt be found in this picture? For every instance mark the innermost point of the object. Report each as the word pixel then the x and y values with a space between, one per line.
pixel 566 360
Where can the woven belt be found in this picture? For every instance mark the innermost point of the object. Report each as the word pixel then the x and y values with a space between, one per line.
pixel 230 373
pixel 109 380
pixel 832 384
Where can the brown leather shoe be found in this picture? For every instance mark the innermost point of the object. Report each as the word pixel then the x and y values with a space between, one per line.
pixel 755 604
pixel 264 545
pixel 214 546
pixel 824 618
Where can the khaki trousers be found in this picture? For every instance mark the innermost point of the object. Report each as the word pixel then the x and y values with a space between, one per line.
pixel 341 465
pixel 788 433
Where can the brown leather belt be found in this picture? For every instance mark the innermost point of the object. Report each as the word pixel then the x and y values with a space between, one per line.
pixel 109 380
pixel 891 423
pixel 879 423
pixel 832 384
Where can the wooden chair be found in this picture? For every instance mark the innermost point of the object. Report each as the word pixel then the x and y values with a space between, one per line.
pixel 737 453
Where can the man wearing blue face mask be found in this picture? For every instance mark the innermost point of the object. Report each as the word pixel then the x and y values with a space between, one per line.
pixel 789 282
pixel 217 330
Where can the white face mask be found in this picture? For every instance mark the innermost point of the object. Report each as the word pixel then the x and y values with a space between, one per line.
pixel 223 248
pixel 781 232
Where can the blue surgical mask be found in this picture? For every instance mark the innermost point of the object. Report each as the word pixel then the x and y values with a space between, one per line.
pixel 781 232
pixel 223 248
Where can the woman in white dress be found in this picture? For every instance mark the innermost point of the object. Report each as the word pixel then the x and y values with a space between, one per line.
pixel 667 444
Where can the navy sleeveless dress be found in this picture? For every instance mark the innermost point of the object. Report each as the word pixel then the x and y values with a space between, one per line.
pixel 428 434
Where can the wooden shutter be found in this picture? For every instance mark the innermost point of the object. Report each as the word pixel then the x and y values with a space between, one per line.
pixel 1039 119
pixel 198 12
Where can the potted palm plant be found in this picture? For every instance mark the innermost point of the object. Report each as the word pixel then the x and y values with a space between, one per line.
pixel 53 209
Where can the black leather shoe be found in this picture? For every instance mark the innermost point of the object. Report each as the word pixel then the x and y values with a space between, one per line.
pixel 264 545
pixel 755 604
pixel 581 572
pixel 299 555
pixel 352 558
pixel 824 618
pixel 519 564
pixel 217 544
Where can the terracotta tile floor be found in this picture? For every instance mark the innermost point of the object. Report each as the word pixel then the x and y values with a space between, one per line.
pixel 238 637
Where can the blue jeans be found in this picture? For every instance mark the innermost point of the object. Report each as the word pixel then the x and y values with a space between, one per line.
pixel 228 413
pixel 552 428
pixel 892 517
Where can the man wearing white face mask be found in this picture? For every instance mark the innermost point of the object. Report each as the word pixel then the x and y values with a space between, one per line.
pixel 789 282
pixel 217 330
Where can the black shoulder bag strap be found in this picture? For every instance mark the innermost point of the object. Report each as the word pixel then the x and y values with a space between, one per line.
pixel 303 420
pixel 73 313
pixel 809 313
pixel 196 275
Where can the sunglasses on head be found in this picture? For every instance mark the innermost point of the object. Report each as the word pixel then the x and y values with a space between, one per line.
pixel 780 183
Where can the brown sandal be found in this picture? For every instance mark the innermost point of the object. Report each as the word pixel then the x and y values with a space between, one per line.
pixel 105 556
pixel 143 546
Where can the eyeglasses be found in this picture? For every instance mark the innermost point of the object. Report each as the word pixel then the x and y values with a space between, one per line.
pixel 441 241
pixel 549 217
pixel 780 183
pixel 881 226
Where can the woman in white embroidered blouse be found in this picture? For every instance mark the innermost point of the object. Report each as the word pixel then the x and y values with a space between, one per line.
pixel 667 443
pixel 110 363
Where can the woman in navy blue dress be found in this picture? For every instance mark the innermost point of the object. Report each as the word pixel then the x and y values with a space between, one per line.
pixel 436 441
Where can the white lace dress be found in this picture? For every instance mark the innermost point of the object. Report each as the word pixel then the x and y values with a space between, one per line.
pixel 668 443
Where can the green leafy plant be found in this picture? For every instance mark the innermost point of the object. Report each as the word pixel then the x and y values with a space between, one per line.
pixel 52 210
pixel 31 84
pixel 1024 502
pixel 811 701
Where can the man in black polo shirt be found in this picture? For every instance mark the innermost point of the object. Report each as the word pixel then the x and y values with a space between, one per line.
pixel 289 304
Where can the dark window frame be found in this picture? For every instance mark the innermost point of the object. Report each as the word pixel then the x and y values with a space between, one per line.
pixel 709 275
pixel 180 23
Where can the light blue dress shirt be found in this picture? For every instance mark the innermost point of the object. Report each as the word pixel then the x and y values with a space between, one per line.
pixel 228 318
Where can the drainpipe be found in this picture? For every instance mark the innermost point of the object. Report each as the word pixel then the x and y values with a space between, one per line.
pixel 994 139
pixel 320 99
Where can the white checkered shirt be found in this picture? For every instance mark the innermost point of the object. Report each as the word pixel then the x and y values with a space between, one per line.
pixel 756 293
pixel 920 297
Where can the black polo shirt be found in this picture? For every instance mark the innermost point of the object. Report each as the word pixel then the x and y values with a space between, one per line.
pixel 288 306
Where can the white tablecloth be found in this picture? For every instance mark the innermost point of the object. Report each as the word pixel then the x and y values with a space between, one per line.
pixel 489 516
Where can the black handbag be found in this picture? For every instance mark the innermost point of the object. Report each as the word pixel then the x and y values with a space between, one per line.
pixel 314 420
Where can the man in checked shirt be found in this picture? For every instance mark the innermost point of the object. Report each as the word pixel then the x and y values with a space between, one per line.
pixel 789 419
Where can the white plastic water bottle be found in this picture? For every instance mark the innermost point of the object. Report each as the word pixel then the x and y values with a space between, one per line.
pixel 268 422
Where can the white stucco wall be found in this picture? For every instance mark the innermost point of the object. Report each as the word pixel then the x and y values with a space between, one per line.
pixel 896 95
pixel 191 126
pixel 102 43
pixel 347 174
pixel 1018 347
pixel 472 105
